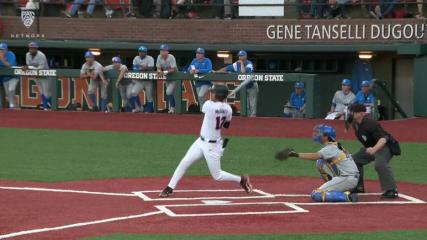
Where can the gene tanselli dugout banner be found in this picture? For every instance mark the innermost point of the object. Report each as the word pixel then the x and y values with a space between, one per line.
pixel 334 32
pixel 76 90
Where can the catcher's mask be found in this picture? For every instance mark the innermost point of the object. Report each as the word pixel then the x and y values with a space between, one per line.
pixel 323 130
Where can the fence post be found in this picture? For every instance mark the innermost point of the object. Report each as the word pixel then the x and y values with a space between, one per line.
pixel 55 85
pixel 178 96
pixel 243 101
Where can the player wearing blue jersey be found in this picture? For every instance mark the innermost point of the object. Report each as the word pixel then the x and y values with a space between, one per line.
pixel 365 96
pixel 295 107
pixel 244 66
pixel 199 66
pixel 7 60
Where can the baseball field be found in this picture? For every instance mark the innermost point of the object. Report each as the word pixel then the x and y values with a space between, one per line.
pixel 78 175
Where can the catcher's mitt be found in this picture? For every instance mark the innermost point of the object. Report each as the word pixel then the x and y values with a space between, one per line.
pixel 286 153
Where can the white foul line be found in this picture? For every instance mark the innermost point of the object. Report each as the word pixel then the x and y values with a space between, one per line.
pixel 68 191
pixel 16 234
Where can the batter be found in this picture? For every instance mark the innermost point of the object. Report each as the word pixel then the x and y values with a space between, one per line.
pixel 217 115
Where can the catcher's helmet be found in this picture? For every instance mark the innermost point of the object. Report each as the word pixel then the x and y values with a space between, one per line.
pixel 325 130
pixel 220 91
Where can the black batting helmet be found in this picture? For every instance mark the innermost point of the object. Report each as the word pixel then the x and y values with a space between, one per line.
pixel 220 91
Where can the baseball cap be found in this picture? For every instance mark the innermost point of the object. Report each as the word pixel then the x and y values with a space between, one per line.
pixel 200 50
pixel 3 46
pixel 116 59
pixel 346 82
pixel 33 45
pixel 365 83
pixel 89 54
pixel 299 85
pixel 142 49
pixel 164 47
pixel 242 53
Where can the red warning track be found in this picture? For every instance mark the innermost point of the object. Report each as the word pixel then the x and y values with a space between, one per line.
pixel 108 206
pixel 412 130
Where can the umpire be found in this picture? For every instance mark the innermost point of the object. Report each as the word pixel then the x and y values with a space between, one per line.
pixel 378 146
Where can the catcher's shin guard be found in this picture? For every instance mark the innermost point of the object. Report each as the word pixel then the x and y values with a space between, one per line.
pixel 330 196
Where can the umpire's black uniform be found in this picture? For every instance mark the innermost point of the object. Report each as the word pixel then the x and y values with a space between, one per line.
pixel 369 132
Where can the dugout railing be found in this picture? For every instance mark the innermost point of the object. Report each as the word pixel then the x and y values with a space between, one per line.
pixel 274 87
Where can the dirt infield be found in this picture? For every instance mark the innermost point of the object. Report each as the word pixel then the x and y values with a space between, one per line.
pixel 412 130
pixel 72 210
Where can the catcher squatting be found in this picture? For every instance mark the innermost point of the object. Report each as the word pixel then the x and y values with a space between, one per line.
pixel 335 165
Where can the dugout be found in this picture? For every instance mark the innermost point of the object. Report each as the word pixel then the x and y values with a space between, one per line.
pixel 399 66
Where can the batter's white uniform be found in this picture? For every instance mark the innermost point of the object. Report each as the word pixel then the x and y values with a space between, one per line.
pixel 208 145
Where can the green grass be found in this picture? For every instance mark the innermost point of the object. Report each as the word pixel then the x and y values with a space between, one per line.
pixel 51 155
pixel 392 235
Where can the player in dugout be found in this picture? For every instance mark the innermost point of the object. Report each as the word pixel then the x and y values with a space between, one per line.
pixel 295 107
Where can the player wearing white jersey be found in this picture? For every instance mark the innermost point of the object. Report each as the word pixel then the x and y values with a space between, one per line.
pixel 217 115
pixel 35 59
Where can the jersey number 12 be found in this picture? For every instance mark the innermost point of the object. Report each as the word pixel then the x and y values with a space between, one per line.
pixel 219 122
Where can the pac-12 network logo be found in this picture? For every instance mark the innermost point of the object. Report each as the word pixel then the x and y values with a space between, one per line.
pixel 27 17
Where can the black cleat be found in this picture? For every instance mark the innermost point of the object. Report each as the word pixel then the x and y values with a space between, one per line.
pixel 166 192
pixel 245 183
pixel 353 197
pixel 390 194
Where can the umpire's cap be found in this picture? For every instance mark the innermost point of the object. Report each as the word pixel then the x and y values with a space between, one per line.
pixel 346 82
pixel 89 54
pixel 220 91
pixel 33 45
pixel 356 107
pixel 3 46
pixel 142 49
pixel 164 47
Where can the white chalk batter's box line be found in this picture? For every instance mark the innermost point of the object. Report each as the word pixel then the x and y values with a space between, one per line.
pixel 265 195
pixel 295 206
pixel 167 209
pixel 143 195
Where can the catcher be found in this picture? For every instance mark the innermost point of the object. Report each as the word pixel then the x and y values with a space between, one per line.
pixel 335 164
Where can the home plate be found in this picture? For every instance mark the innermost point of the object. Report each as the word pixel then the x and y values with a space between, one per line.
pixel 215 202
